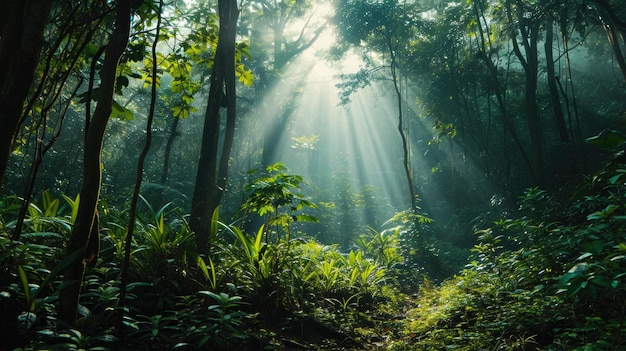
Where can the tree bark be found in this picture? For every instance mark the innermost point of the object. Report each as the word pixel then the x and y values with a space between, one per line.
pixel 132 213
pixel 168 150
pixel 212 176
pixel 86 226
pixel 499 90
pixel 557 109
pixel 21 40
pixel 529 31
pixel 614 39
pixel 405 145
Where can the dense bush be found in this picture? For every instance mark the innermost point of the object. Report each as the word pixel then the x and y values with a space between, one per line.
pixel 550 279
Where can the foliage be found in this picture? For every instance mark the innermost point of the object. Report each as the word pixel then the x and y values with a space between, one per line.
pixel 550 278
pixel 273 194
pixel 249 280
pixel 424 254
pixel 542 281
pixel 346 211
pixel 547 275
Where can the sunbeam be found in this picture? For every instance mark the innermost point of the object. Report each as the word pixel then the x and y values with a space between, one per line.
pixel 351 154
pixel 356 146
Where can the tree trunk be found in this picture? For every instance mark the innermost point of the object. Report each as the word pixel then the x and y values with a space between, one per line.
pixel 532 110
pixel 557 109
pixel 617 50
pixel 168 150
pixel 405 145
pixel 529 31
pixel 211 179
pixel 615 28
pixel 21 40
pixel 284 52
pixel 86 224
pixel 499 90
pixel 132 213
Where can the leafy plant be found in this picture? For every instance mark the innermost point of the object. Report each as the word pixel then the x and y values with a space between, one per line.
pixel 382 246
pixel 72 339
pixel 273 194
pixel 229 319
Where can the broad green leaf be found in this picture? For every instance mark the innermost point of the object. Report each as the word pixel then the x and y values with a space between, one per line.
pixel 608 139
pixel 119 111
pixel 245 76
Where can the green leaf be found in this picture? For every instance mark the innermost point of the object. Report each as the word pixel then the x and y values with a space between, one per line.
pixel 119 111
pixel 121 83
pixel 603 282
pixel 245 76
pixel 604 214
pixel 24 280
pixel 608 139
pixel 593 247
pixel 307 218
pixel 73 205
pixel 257 240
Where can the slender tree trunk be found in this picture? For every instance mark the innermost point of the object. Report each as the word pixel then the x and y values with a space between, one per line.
pixel 617 50
pixel 41 148
pixel 529 31
pixel 557 109
pixel 272 135
pixel 21 40
pixel 28 191
pixel 532 111
pixel 405 144
pixel 132 214
pixel 211 179
pixel 568 93
pixel 168 150
pixel 568 150
pixel 499 92
pixel 86 226
pixel 614 28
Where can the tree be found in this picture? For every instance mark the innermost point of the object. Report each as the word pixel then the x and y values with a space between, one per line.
pixel 489 54
pixel 385 27
pixel 22 24
pixel 211 178
pixel 527 32
pixel 142 158
pixel 188 65
pixel 44 115
pixel 280 17
pixel 557 108
pixel 615 28
pixel 86 226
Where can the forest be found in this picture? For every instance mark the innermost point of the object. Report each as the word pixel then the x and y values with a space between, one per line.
pixel 313 175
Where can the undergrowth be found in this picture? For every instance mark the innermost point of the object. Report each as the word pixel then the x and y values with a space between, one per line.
pixel 549 278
